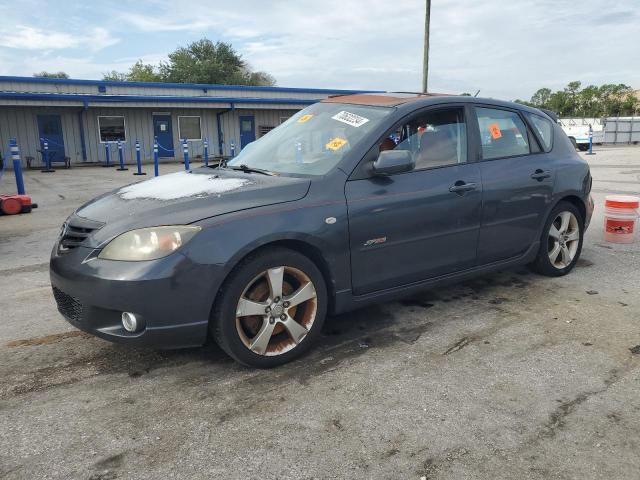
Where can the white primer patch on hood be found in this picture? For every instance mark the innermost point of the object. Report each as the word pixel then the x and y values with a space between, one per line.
pixel 181 185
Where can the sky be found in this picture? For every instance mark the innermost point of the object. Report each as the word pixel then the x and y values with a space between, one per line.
pixel 505 48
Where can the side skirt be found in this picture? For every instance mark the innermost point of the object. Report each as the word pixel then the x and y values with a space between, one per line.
pixel 346 301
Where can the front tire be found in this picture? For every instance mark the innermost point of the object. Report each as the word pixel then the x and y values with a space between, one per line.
pixel 561 241
pixel 271 308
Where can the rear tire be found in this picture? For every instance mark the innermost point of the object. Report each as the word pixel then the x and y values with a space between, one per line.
pixel 561 241
pixel 583 147
pixel 270 309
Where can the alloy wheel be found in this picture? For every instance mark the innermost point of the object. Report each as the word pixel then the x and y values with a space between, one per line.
pixel 276 311
pixel 563 240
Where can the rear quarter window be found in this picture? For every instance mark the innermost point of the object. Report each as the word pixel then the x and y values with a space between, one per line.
pixel 502 133
pixel 544 129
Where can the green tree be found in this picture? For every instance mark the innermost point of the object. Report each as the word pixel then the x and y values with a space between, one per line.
pixel 44 74
pixel 541 98
pixel 202 61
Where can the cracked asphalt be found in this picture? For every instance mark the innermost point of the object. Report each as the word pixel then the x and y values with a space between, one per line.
pixel 511 375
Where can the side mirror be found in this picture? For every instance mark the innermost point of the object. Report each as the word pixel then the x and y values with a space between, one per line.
pixel 390 162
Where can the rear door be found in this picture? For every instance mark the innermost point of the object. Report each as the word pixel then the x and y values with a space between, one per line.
pixel 421 224
pixel 517 178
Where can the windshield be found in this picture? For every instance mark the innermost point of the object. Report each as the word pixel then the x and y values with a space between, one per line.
pixel 313 141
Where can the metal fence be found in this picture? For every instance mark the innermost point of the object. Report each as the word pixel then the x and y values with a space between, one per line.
pixel 622 130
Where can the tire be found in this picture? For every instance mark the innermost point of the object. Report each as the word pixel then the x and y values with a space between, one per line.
pixel 559 241
pixel 583 147
pixel 256 327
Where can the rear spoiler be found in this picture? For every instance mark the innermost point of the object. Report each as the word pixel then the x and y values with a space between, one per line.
pixel 551 114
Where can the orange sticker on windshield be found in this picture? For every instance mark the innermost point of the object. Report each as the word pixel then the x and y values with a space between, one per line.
pixel 336 144
pixel 305 118
pixel 494 129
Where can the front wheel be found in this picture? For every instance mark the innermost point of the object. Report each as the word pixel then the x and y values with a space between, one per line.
pixel 561 241
pixel 271 308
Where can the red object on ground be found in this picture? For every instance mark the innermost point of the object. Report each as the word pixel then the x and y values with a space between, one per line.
pixel 14 204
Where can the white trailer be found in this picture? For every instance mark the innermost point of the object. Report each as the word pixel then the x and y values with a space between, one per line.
pixel 577 129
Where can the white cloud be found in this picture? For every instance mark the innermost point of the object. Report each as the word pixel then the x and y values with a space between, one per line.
pixel 30 38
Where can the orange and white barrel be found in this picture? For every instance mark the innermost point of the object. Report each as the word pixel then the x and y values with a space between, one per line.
pixel 620 218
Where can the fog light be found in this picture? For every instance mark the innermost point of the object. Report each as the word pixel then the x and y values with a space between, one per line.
pixel 129 322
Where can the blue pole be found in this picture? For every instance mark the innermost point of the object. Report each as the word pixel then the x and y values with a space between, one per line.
pixel 185 154
pixel 121 157
pixel 138 160
pixel 107 154
pixel 590 152
pixel 155 156
pixel 17 165
pixel 47 160
pixel 233 148
pixel 206 152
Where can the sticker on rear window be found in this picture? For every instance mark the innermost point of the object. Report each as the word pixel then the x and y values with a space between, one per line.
pixel 350 118
pixel 336 144
pixel 305 118
pixel 494 129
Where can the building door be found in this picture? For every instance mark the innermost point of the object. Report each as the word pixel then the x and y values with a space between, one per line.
pixel 50 129
pixel 164 133
pixel 247 130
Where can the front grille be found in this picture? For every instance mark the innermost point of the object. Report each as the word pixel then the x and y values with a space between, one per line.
pixel 68 306
pixel 75 231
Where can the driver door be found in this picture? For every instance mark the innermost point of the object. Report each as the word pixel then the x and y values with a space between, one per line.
pixel 421 224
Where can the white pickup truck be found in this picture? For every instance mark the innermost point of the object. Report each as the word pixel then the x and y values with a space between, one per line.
pixel 577 129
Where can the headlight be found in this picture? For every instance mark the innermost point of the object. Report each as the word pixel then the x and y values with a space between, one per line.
pixel 148 243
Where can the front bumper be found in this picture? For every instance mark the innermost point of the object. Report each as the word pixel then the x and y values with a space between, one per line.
pixel 172 296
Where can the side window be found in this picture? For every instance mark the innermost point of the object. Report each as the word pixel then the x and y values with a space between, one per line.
pixel 502 133
pixel 544 129
pixel 435 139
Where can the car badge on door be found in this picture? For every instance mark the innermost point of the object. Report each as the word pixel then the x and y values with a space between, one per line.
pixel 375 241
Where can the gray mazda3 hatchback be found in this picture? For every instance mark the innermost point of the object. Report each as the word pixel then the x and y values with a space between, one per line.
pixel 353 200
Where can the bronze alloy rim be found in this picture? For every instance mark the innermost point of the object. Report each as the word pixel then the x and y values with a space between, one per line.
pixel 276 311
pixel 563 240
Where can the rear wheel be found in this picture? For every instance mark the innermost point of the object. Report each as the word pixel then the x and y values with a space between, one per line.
pixel 271 308
pixel 583 147
pixel 561 241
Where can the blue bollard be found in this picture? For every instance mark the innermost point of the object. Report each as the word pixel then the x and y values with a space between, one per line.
pixel 590 152
pixel 206 152
pixel 138 160
pixel 185 154
pixel 155 156
pixel 47 160
pixel 107 155
pixel 121 157
pixel 233 148
pixel 17 166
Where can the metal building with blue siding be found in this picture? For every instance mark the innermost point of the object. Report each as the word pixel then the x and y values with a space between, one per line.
pixel 78 117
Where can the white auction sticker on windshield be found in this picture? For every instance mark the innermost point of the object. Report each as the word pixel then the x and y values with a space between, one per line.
pixel 350 118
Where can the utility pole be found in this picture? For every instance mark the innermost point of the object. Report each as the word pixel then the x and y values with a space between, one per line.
pixel 425 60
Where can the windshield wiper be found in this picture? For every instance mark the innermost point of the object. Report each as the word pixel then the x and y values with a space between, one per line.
pixel 247 169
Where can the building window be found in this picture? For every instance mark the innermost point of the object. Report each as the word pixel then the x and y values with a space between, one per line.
pixel 264 129
pixel 189 128
pixel 284 119
pixel 111 129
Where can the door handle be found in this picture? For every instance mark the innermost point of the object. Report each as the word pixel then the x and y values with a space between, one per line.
pixel 540 174
pixel 461 187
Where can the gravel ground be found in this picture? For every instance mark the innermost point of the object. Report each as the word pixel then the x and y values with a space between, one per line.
pixel 511 375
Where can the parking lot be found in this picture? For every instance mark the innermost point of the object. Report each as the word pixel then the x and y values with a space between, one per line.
pixel 508 376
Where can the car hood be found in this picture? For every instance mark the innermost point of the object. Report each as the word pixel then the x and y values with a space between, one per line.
pixel 186 197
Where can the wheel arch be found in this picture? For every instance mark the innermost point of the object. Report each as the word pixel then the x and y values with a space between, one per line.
pixel 302 246
pixel 577 202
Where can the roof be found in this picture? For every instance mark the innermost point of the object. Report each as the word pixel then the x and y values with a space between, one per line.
pixel 198 86
pixel 390 99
